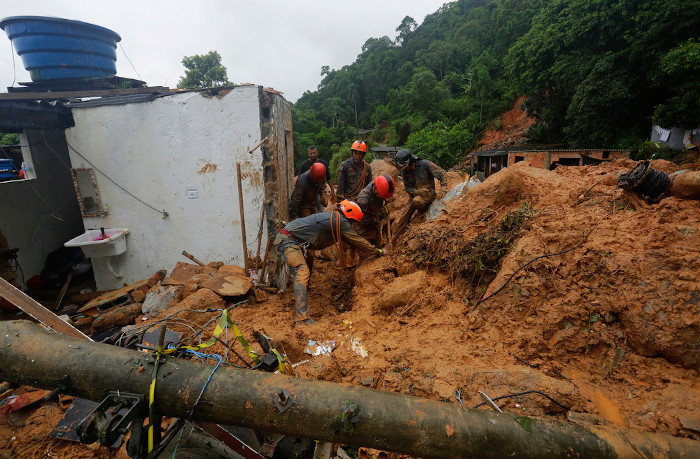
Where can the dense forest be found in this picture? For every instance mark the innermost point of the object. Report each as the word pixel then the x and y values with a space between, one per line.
pixel 595 73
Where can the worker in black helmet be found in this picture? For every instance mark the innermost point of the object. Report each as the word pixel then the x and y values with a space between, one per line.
pixel 419 181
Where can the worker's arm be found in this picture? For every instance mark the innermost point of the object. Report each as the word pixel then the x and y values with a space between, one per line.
pixel 407 185
pixel 321 192
pixel 341 181
pixel 350 237
pixel 438 172
pixel 295 200
pixel 369 173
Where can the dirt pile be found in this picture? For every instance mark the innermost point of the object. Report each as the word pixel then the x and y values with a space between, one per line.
pixel 587 295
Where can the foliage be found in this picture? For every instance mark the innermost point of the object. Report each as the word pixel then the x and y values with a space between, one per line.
pixel 9 139
pixel 649 150
pixel 681 109
pixel 442 144
pixel 476 258
pixel 594 73
pixel 205 71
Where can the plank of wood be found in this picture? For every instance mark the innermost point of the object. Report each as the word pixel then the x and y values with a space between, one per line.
pixel 62 293
pixel 37 311
pixel 81 93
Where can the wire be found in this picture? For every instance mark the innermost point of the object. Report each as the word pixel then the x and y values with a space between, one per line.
pixel 179 438
pixel 204 357
pixel 165 214
pixel 127 58
pixel 529 392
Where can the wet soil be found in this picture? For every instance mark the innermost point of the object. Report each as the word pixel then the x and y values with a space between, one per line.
pixel 593 301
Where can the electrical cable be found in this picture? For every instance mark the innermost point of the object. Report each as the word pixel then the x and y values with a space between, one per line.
pixel 529 392
pixel 127 58
pixel 165 214
pixel 179 438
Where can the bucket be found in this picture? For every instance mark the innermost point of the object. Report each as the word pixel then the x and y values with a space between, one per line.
pixel 55 48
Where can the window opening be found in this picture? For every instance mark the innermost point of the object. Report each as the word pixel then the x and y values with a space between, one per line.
pixel 87 192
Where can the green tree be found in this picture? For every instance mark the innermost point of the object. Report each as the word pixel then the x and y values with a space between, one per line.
pixel 205 71
pixel 442 144
pixel 9 139
pixel 682 108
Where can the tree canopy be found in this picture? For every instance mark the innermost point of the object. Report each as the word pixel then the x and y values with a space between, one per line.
pixel 595 73
pixel 205 71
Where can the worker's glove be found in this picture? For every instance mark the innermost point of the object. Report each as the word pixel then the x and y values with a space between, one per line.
pixel 380 252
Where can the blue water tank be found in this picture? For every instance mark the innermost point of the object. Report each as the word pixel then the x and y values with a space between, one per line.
pixel 53 48
pixel 6 169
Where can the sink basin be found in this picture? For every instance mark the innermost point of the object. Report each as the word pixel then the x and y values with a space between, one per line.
pixel 93 245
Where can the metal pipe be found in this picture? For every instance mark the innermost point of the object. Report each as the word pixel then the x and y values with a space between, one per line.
pixel 320 410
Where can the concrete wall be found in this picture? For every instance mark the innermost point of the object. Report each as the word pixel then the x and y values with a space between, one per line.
pixel 178 154
pixel 39 215
pixel 543 159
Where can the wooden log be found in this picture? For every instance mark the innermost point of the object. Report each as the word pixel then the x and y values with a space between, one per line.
pixel 321 410
pixel 124 315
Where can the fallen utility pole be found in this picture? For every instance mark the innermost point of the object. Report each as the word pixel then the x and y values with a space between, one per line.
pixel 313 409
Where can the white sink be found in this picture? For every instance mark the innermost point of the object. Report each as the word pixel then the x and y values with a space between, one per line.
pixel 94 246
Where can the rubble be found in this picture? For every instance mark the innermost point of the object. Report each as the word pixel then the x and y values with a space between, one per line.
pixel 588 295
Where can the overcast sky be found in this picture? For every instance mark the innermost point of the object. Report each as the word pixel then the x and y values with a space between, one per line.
pixel 274 43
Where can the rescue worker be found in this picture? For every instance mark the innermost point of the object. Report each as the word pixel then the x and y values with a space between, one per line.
pixel 354 173
pixel 371 201
pixel 312 153
pixel 419 181
pixel 308 188
pixel 316 232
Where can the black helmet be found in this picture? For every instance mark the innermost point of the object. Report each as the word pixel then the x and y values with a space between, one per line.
pixel 404 158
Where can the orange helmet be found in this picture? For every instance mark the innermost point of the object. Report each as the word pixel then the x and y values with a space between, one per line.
pixel 351 210
pixel 385 186
pixel 318 172
pixel 359 145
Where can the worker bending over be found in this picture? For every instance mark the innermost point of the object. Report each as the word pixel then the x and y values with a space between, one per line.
pixel 316 232
pixel 308 188
pixel 371 201
pixel 419 181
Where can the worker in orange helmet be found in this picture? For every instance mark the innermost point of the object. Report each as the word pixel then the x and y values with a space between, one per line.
pixel 371 200
pixel 316 232
pixel 308 188
pixel 354 174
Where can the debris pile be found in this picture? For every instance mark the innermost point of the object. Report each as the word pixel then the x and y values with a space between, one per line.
pixel 555 293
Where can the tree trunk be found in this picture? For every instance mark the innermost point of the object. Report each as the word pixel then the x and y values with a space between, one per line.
pixel 321 410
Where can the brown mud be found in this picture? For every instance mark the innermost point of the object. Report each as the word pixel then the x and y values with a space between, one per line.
pixel 577 290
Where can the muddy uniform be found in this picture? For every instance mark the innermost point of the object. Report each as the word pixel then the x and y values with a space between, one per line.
pixel 352 178
pixel 419 182
pixel 303 200
pixel 306 165
pixel 314 232
pixel 373 213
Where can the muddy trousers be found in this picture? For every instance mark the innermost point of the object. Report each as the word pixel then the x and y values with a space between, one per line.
pixel 301 273
pixel 419 202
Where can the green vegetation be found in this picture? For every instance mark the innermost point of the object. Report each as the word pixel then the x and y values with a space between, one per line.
pixel 9 139
pixel 205 71
pixel 595 73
